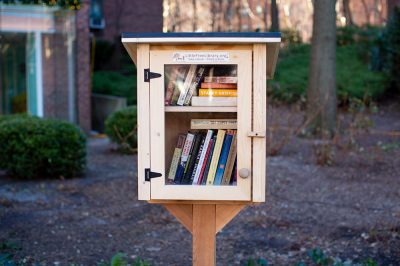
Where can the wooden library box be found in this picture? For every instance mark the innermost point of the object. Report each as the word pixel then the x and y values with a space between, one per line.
pixel 202 102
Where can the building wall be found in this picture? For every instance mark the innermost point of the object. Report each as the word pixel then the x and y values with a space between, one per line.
pixel 130 16
pixel 82 66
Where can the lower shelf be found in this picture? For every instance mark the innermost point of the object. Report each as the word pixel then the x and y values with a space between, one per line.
pixel 227 109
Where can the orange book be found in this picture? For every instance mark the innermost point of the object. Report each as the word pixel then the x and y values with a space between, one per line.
pixel 218 92
pixel 213 85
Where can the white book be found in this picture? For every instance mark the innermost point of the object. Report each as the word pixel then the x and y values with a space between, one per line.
pixel 214 101
pixel 187 147
pixel 187 84
pixel 202 156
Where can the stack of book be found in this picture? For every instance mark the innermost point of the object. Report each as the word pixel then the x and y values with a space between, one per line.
pixel 182 83
pixel 186 85
pixel 217 91
pixel 205 157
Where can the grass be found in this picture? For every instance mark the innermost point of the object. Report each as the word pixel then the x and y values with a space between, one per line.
pixel 354 78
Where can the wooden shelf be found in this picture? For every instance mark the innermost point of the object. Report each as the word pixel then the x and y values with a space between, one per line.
pixel 213 109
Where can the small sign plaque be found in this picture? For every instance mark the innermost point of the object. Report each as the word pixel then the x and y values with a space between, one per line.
pixel 200 57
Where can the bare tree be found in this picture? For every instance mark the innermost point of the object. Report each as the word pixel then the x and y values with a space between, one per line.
pixel 347 13
pixel 194 25
pixel 321 91
pixel 274 16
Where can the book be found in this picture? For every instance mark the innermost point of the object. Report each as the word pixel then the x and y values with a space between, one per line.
pixel 171 77
pixel 213 124
pixel 230 162
pixel 193 87
pixel 214 101
pixel 234 175
pixel 214 85
pixel 218 93
pixel 176 156
pixel 178 84
pixel 202 155
pixel 203 176
pixel 184 157
pixel 188 81
pixel 215 158
pixel 192 160
pixel 225 79
pixel 196 164
pixel 223 157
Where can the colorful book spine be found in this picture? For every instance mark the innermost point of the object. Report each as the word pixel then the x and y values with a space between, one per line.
pixel 217 93
pixel 192 160
pixel 221 79
pixel 230 162
pixel 185 155
pixel 215 158
pixel 193 86
pixel 202 156
pixel 214 85
pixel 223 158
pixel 207 160
pixel 176 156
pixel 196 164
pixel 188 81
pixel 213 124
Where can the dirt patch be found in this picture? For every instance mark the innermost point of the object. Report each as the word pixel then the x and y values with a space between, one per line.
pixel 349 210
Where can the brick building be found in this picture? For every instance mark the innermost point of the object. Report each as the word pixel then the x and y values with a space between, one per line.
pixel 45 53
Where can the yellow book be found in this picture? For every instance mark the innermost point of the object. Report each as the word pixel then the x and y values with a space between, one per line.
pixel 218 92
pixel 215 156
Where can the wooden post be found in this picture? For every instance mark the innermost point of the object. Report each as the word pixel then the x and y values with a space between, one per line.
pixel 204 221
pixel 204 231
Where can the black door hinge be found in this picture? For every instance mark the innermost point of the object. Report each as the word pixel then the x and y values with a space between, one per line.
pixel 150 75
pixel 149 174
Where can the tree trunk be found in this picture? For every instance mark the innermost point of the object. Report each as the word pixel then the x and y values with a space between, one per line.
pixel 194 25
pixel 321 94
pixel 274 16
pixel 347 13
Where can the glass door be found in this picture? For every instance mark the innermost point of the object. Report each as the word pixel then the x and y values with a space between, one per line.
pixel 200 115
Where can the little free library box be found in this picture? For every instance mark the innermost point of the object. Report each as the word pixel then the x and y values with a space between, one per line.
pixel 202 103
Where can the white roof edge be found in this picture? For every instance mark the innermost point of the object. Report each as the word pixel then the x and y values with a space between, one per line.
pixel 202 40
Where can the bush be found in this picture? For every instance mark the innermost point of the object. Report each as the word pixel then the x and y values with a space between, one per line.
pixel 353 76
pixel 392 46
pixel 31 147
pixel 121 128
pixel 115 84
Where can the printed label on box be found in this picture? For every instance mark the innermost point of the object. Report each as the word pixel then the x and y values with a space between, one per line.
pixel 200 57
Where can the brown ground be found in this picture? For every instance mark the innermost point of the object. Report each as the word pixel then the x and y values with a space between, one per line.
pixel 350 210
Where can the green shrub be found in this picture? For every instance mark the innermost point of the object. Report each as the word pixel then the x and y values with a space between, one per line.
pixel 115 84
pixel 121 128
pixel 392 47
pixel 353 76
pixel 31 147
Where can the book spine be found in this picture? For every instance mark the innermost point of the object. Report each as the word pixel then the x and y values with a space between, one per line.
pixel 191 162
pixel 213 124
pixel 230 161
pixel 215 158
pixel 196 164
pixel 194 85
pixel 217 93
pixel 207 166
pixel 184 157
pixel 186 85
pixel 204 149
pixel 214 101
pixel 221 79
pixel 214 85
pixel 174 163
pixel 223 158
